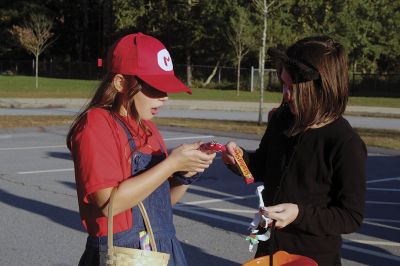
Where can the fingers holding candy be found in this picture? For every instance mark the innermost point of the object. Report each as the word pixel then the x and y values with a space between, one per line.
pixel 284 213
pixel 188 158
pixel 228 155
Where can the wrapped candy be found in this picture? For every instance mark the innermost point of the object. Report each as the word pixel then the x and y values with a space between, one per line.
pixel 211 147
pixel 259 222
pixel 244 170
pixel 144 238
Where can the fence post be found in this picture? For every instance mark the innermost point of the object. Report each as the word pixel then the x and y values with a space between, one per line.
pixel 51 67
pixel 219 75
pixel 252 79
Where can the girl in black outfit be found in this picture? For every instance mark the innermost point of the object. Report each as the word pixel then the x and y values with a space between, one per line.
pixel 310 159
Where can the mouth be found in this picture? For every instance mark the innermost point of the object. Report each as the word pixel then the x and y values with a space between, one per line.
pixel 155 110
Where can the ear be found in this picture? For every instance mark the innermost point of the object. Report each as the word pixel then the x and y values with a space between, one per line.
pixel 118 82
pixel 287 94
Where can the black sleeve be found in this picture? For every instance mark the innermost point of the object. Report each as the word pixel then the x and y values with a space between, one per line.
pixel 255 159
pixel 346 211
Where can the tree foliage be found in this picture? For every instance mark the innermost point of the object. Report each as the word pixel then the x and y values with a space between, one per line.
pixel 240 36
pixel 34 36
pixel 194 30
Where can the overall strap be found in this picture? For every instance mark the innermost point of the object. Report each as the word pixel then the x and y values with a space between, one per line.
pixel 132 143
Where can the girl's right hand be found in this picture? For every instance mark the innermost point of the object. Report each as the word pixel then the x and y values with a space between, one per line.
pixel 188 158
pixel 227 156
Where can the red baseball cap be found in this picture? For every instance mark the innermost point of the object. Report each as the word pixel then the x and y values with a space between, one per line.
pixel 146 57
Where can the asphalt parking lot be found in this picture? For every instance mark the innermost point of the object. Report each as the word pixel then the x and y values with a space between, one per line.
pixel 40 223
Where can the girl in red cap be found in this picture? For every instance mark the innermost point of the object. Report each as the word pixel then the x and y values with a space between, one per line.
pixel 115 145
pixel 310 159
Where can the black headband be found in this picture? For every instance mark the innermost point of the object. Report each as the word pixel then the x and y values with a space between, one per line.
pixel 299 71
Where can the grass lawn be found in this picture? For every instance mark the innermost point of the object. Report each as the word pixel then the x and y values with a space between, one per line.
pixel 24 87
pixel 373 137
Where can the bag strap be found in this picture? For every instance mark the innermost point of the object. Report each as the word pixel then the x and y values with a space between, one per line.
pixel 110 242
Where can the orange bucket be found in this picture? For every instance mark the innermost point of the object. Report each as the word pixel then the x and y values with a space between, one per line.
pixel 282 258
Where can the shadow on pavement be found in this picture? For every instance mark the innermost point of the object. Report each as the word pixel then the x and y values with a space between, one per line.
pixel 376 256
pixel 60 155
pixel 69 184
pixel 196 257
pixel 59 215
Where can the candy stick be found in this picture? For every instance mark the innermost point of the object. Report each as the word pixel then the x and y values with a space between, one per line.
pixel 260 198
pixel 244 170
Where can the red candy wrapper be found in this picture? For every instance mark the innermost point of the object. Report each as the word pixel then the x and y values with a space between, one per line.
pixel 244 170
pixel 211 147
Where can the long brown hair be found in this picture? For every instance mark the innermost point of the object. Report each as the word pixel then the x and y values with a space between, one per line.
pixel 324 99
pixel 107 97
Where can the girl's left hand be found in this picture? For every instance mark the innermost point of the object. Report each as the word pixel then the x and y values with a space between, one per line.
pixel 284 213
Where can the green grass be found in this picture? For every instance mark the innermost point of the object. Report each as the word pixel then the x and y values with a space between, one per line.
pixel 24 87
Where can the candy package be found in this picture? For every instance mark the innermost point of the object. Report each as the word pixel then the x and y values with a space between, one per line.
pixel 244 170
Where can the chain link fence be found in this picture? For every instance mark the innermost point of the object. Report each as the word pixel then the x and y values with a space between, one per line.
pixel 220 77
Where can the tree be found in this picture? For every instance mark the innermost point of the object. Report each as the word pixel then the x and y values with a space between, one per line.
pixel 35 36
pixel 185 26
pixel 240 36
pixel 264 8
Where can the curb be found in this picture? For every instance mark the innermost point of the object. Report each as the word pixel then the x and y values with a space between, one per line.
pixel 226 106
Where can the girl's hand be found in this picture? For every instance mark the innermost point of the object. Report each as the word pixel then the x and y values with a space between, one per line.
pixel 284 213
pixel 227 156
pixel 187 158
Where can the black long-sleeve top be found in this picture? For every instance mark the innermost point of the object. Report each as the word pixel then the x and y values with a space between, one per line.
pixel 322 171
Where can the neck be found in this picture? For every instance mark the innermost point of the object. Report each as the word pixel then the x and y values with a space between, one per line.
pixel 318 125
pixel 122 111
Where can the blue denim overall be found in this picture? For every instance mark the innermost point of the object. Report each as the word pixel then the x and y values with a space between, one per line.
pixel 158 207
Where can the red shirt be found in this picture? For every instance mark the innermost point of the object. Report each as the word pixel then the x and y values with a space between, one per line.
pixel 102 156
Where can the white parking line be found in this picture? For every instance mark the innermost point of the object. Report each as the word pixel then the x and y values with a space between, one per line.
pixel 382 202
pixel 33 148
pixel 195 188
pixel 382 225
pixel 383 189
pixel 382 220
pixel 64 146
pixel 198 202
pixel 219 209
pixel 344 246
pixel 372 242
pixel 210 215
pixel 382 180
pixel 46 171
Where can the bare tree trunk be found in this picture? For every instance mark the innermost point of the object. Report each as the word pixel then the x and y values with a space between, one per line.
pixel 188 55
pixel 238 76
pixel 210 77
pixel 37 70
pixel 262 60
pixel 188 68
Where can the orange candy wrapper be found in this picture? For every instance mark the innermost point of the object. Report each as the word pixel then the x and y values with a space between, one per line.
pixel 244 170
